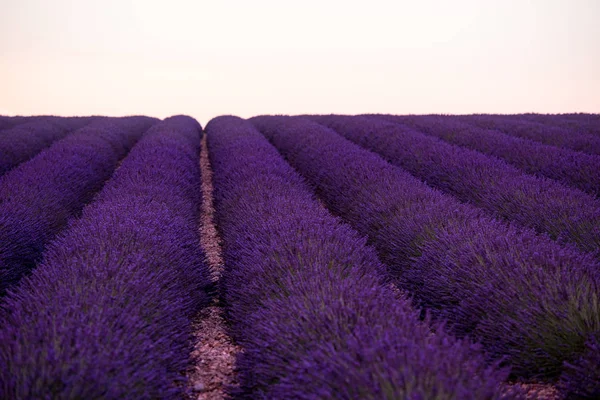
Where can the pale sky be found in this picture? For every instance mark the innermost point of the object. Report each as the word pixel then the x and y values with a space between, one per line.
pixel 201 58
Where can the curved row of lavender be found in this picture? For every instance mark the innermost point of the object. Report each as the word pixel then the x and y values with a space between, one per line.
pixel 307 300
pixel 25 140
pixel 38 197
pixel 551 135
pixel 108 312
pixel 543 204
pixel 575 169
pixel 584 123
pixel 524 296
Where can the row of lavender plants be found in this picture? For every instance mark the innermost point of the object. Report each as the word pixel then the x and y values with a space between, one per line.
pixel 39 196
pixel 584 123
pixel 526 298
pixel 552 135
pixel 107 313
pixel 569 167
pixel 25 140
pixel 308 300
pixel 9 122
pixel 487 182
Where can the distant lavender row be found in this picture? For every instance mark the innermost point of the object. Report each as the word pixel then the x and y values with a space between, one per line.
pixel 566 166
pixel 543 204
pixel 107 314
pixel 24 141
pixel 38 197
pixel 584 123
pixel 523 296
pixel 9 122
pixel 5 122
pixel 306 298
pixel 551 135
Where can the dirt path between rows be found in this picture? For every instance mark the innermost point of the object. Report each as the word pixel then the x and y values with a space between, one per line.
pixel 214 352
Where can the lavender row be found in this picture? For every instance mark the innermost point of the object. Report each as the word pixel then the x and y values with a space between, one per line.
pixel 584 123
pixel 306 297
pixel 524 296
pixel 12 122
pixel 9 122
pixel 38 197
pixel 24 141
pixel 5 122
pixel 551 135
pixel 108 312
pixel 545 205
pixel 571 168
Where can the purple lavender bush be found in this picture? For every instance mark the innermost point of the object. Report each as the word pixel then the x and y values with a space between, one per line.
pixel 525 297
pixel 564 213
pixel 108 312
pixel 308 300
pixel 38 197
pixel 24 141
pixel 552 135
pixel 575 169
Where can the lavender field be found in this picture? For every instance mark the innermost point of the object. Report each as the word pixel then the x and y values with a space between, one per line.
pixel 353 257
